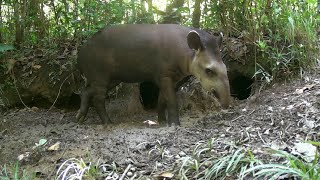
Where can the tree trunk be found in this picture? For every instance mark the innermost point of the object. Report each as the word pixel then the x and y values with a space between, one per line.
pixel 142 14
pixel 221 11
pixel 36 13
pixel 75 17
pixel 19 30
pixel 1 24
pixel 196 14
pixel 134 12
pixel 149 6
pixel 66 17
pixel 143 8
pixel 171 16
pixel 41 23
pixel 55 13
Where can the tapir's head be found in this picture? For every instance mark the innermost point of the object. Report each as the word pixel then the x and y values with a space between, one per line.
pixel 207 66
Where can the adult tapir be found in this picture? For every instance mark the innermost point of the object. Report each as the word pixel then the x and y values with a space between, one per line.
pixel 163 54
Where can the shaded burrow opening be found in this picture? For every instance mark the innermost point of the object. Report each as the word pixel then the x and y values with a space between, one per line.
pixel 149 94
pixel 240 85
pixel 70 103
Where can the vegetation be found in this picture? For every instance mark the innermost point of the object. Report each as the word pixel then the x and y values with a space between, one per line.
pixel 14 173
pixel 77 169
pixel 283 33
pixel 241 163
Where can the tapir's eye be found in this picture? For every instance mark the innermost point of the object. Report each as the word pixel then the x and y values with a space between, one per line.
pixel 209 72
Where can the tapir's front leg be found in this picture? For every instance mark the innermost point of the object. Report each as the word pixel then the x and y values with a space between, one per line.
pixel 99 101
pixel 162 106
pixel 168 99
pixel 86 94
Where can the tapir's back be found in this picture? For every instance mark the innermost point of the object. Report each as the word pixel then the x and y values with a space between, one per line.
pixel 134 53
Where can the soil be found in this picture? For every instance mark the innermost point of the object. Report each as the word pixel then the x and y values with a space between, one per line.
pixel 278 117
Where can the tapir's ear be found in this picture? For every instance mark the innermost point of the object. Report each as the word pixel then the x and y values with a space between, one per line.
pixel 220 39
pixel 194 41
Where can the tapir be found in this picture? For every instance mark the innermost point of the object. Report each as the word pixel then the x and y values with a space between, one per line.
pixel 163 54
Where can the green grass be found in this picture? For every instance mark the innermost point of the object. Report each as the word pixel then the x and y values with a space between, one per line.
pixel 14 173
pixel 78 169
pixel 241 164
pixel 294 167
pixel 204 164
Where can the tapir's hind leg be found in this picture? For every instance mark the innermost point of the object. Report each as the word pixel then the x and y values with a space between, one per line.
pixel 161 109
pixel 168 101
pixel 86 94
pixel 99 96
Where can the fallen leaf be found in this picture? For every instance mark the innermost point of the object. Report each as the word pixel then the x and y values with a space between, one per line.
pixel 309 124
pixel 290 107
pixel 35 109
pixel 23 156
pixel 36 67
pixel 305 150
pixel 150 123
pixel 267 132
pixel 54 147
pixel 306 88
pixel 165 175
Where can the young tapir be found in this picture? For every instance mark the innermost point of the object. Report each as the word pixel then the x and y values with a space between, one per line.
pixel 163 54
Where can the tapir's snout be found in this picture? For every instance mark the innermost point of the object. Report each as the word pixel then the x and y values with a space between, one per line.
pixel 222 93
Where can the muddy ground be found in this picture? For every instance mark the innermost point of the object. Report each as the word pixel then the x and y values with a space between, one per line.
pixel 278 117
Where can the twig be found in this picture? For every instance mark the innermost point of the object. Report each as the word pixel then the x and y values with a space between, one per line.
pixel 15 85
pixel 248 135
pixel 237 118
pixel 243 115
pixel 134 176
pixel 251 112
pixel 125 172
pixel 261 138
pixel 59 92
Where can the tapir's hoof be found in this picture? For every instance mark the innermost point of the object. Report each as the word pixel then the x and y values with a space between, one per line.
pixel 107 120
pixel 80 118
pixel 105 126
pixel 174 124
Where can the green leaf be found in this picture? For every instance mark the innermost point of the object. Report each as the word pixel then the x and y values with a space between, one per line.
pixel 41 142
pixel 314 143
pixel 6 47
pixel 291 21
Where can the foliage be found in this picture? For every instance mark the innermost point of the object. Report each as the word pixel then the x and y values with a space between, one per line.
pixel 295 168
pixel 14 173
pixel 159 151
pixel 77 169
pixel 241 164
pixel 282 34
pixel 5 47
pixel 205 165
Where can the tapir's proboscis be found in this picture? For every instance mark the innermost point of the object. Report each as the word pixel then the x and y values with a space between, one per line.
pixel 162 54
